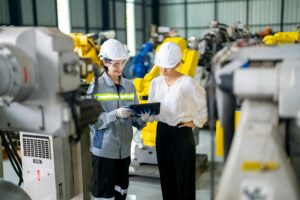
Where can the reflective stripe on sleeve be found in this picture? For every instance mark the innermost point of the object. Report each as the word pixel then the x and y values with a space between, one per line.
pixel 112 96
pixel 127 96
pixel 95 198
pixel 106 97
pixel 120 190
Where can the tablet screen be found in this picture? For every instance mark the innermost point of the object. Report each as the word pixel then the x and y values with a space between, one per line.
pixel 153 108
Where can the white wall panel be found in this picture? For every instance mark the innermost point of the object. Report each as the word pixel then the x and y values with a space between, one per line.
pixel 138 40
pixel 200 14
pixel 197 33
pixel 46 12
pixel 27 12
pixel 94 13
pixel 232 12
pixel 77 13
pixel 120 15
pixel 4 12
pixel 292 11
pixel 121 36
pixel 172 15
pixel 264 11
pixel 138 10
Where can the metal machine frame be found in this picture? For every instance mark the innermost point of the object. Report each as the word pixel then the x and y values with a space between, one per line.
pixel 1 160
pixel 267 79
pixel 41 98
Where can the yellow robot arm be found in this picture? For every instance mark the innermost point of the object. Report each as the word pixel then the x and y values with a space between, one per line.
pixel 86 49
pixel 282 38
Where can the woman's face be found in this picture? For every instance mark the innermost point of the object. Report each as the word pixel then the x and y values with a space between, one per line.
pixel 169 72
pixel 115 67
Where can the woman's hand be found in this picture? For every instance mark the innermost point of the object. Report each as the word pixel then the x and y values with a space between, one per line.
pixel 189 124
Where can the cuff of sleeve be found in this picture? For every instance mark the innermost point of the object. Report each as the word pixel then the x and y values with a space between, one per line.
pixel 112 116
pixel 200 122
pixel 140 123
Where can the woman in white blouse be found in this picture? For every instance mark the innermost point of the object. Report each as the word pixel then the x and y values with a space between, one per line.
pixel 183 106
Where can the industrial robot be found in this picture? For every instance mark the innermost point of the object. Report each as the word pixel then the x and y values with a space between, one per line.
pixel 87 49
pixel 40 98
pixel 264 157
pixel 281 38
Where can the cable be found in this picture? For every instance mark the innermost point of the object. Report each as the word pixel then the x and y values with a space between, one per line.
pixel 14 149
pixel 12 157
pixel 8 154
pixel 212 119
pixel 16 155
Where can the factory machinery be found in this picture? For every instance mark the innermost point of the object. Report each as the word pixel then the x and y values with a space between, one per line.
pixel 40 98
pixel 140 64
pixel 87 50
pixel 218 36
pixel 224 134
pixel 264 158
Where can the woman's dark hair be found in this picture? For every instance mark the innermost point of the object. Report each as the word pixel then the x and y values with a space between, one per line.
pixel 105 67
pixel 108 61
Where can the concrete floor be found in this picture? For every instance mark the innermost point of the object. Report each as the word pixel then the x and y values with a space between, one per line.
pixel 142 188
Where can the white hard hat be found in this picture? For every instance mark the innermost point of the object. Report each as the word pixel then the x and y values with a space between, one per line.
pixel 114 50
pixel 168 55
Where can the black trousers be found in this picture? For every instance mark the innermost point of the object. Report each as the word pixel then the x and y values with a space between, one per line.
pixel 176 156
pixel 110 177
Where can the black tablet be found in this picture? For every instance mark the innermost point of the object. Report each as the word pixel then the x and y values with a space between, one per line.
pixel 153 108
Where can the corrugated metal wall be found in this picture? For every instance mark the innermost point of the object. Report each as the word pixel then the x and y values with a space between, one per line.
pixel 46 12
pixel 4 12
pixel 32 12
pixel 143 21
pixel 77 16
pixel 93 16
pixel 27 14
pixel 192 17
pixel 120 15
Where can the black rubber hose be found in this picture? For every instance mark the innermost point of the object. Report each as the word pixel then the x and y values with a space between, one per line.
pixel 12 159
pixel 14 149
pixel 228 110
pixel 227 121
pixel 293 145
pixel 212 113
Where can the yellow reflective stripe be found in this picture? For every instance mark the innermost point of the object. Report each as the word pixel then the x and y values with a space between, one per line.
pixel 106 96
pixel 113 96
pixel 127 96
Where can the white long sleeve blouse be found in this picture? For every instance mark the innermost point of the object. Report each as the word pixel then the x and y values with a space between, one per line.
pixel 183 101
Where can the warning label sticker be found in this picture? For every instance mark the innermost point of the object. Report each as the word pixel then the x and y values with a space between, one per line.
pixel 255 190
